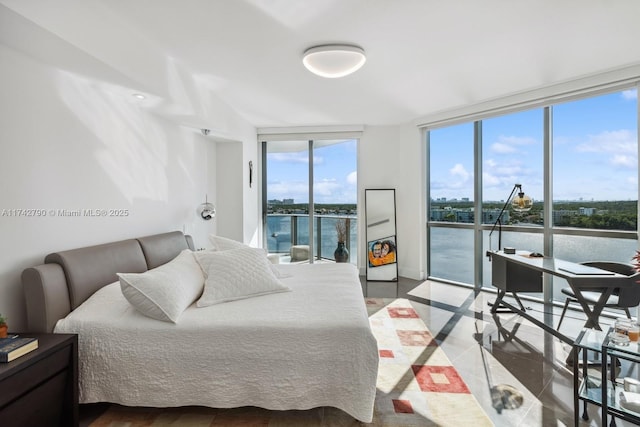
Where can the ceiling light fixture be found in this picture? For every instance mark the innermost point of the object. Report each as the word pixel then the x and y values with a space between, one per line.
pixel 139 96
pixel 334 60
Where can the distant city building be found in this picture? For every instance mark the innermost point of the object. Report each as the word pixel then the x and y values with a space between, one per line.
pixel 438 214
pixel 451 215
pixel 464 216
pixel 454 199
pixel 467 215
pixel 280 202
pixel 562 214
pixel 489 216
pixel 586 211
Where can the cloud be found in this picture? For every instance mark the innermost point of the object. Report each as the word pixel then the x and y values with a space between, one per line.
pixel 325 187
pixel 510 144
pixel 296 190
pixel 497 177
pixel 619 145
pixel 630 94
pixel 614 141
pixel 501 178
pixel 499 148
pixel 352 178
pixel 324 191
pixel 459 171
pixel 504 169
pixel 459 178
pixel 295 157
pixel 622 160
pixel 490 180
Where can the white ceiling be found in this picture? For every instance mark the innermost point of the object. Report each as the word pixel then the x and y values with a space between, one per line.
pixel 423 56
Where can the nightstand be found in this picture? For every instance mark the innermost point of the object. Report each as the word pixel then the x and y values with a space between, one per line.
pixel 41 387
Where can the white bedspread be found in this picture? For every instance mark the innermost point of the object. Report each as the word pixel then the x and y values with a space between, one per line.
pixel 294 350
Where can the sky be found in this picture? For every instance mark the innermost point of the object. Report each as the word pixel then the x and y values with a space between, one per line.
pixel 595 157
pixel 334 167
pixel 595 154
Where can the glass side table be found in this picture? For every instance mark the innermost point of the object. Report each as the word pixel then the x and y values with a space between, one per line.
pixel 588 388
pixel 611 389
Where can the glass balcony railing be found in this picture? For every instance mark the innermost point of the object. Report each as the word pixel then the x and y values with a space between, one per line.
pixel 287 230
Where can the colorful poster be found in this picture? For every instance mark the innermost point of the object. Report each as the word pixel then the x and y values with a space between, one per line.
pixel 382 251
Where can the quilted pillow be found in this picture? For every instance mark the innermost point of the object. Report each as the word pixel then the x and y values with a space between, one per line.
pixel 224 244
pixel 236 274
pixel 164 292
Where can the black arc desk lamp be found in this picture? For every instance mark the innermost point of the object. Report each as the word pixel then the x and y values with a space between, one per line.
pixel 520 203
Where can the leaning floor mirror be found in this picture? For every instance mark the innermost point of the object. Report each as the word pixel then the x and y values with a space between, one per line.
pixel 380 221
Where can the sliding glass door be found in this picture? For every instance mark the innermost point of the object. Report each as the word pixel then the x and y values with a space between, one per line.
pixel 286 200
pixel 310 187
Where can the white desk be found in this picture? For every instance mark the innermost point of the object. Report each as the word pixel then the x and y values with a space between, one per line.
pixel 522 273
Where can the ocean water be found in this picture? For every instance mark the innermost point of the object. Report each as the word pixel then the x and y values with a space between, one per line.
pixel 452 253
pixel 279 234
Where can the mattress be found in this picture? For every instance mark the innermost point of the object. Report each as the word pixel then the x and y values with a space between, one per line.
pixel 306 348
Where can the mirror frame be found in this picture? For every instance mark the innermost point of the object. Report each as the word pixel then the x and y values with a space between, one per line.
pixel 380 225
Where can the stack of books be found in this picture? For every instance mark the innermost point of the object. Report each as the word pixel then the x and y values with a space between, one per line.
pixel 13 347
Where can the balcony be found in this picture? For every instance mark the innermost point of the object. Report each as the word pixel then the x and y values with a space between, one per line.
pixel 285 231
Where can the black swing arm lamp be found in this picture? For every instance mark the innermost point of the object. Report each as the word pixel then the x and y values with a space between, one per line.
pixel 520 203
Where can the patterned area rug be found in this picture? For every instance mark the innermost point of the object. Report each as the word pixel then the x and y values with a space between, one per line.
pixel 417 386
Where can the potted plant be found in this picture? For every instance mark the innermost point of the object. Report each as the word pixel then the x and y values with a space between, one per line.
pixel 3 326
pixel 636 261
pixel 341 254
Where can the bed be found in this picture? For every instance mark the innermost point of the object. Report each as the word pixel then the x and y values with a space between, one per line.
pixel 308 347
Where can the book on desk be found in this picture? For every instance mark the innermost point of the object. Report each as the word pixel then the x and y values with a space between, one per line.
pixel 14 347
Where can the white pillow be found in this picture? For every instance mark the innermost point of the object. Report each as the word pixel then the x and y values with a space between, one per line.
pixel 279 270
pixel 164 292
pixel 236 274
pixel 224 244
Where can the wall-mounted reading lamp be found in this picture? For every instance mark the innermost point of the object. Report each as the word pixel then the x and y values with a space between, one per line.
pixel 206 210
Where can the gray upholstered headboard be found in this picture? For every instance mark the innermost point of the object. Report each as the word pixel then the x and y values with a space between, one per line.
pixel 68 278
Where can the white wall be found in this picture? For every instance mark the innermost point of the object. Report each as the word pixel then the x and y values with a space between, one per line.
pixel 73 142
pixel 69 143
pixel 392 157
pixel 228 169
pixel 411 202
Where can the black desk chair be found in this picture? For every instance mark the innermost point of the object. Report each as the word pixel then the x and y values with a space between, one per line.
pixel 621 298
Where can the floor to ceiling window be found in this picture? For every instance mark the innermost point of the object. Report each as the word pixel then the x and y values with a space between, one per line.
pixel 451 193
pixel 512 153
pixel 309 182
pixel 595 178
pixel 582 154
